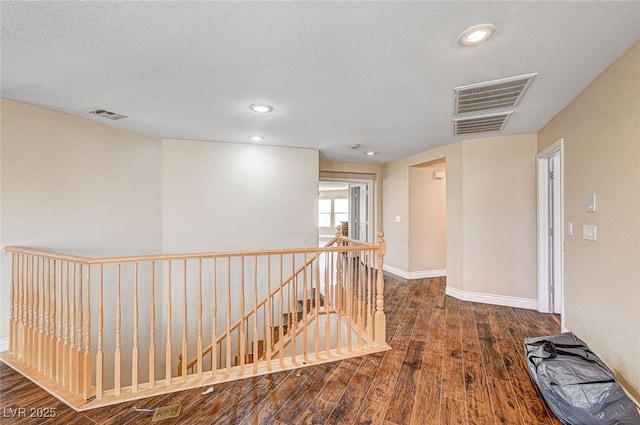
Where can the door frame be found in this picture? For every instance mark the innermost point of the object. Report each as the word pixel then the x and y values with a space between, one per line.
pixel 543 263
pixel 370 181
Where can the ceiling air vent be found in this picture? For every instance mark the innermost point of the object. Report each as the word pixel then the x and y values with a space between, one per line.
pixel 504 93
pixel 107 114
pixel 480 123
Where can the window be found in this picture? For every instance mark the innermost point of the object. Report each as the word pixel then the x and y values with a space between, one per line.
pixel 324 213
pixel 340 211
pixel 332 211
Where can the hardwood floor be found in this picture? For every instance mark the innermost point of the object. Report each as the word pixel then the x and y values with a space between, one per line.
pixel 453 362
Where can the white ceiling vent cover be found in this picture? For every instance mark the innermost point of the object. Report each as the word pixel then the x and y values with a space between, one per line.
pixel 107 114
pixel 480 123
pixel 503 93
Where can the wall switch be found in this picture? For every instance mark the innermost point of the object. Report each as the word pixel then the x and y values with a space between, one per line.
pixel 589 232
pixel 570 228
pixel 398 219
pixel 590 203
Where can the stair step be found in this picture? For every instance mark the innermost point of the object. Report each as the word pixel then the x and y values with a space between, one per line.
pixel 288 317
pixel 248 357
pixel 275 333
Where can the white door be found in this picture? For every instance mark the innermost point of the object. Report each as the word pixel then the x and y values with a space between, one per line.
pixel 360 212
pixel 555 234
pixel 550 230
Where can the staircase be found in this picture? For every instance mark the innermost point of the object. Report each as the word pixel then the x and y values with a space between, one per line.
pixel 305 309
pixel 99 331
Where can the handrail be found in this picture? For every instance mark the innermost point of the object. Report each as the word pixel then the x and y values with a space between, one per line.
pixel 191 256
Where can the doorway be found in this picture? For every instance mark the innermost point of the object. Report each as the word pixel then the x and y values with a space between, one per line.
pixel 347 203
pixel 551 229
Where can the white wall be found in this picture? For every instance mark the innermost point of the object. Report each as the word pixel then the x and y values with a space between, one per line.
pixel 223 196
pixel 75 186
pixel 601 133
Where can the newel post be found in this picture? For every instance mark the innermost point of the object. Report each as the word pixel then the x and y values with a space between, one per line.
pixel 380 318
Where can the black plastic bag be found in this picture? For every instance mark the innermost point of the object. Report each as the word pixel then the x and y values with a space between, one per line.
pixel 577 386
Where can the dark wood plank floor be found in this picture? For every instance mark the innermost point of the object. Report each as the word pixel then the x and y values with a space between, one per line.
pixel 453 362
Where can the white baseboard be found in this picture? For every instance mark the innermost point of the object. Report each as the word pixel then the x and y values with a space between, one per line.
pixel 505 300
pixel 4 344
pixel 421 274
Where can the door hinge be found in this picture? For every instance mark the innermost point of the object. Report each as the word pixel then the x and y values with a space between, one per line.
pixel 551 175
pixel 551 232
pixel 552 288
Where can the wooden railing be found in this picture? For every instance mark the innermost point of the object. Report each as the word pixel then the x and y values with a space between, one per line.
pixel 95 332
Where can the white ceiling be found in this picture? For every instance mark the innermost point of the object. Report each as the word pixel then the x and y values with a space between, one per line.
pixel 380 74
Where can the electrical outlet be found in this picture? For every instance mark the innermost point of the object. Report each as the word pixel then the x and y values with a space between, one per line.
pixel 590 232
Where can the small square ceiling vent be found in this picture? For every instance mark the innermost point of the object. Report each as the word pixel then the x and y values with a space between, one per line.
pixel 504 93
pixel 107 114
pixel 480 123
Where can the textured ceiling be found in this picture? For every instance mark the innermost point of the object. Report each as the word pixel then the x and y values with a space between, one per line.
pixel 380 74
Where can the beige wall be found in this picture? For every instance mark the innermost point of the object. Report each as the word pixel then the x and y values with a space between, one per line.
pixel 490 214
pixel 601 132
pixel 76 186
pixel 499 217
pixel 395 187
pixel 427 218
pixel 227 196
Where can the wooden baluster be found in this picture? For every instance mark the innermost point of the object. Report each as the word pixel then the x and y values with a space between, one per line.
pixel 152 329
pixel 349 299
pixel 369 298
pixel 72 331
pixel 77 356
pixel 86 389
pixel 241 331
pixel 269 311
pixel 12 306
pixel 18 326
pixel 339 294
pixel 168 353
pixel 380 315
pixel 185 344
pixel 59 310
pixel 228 337
pixel 305 307
pixel 256 354
pixel 361 274
pixel 135 352
pixel 24 290
pixel 214 326
pixel 51 329
pixel 281 325
pixel 30 330
pixel 100 353
pixel 65 337
pixel 118 355
pixel 316 335
pixel 328 300
pixel 199 341
pixel 39 335
pixel 293 310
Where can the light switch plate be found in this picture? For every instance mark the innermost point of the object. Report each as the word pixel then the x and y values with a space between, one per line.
pixel 589 232
pixel 570 228
pixel 590 203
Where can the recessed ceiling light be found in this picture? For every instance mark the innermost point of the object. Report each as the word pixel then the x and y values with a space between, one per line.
pixel 476 34
pixel 261 108
pixel 370 153
pixel 257 138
